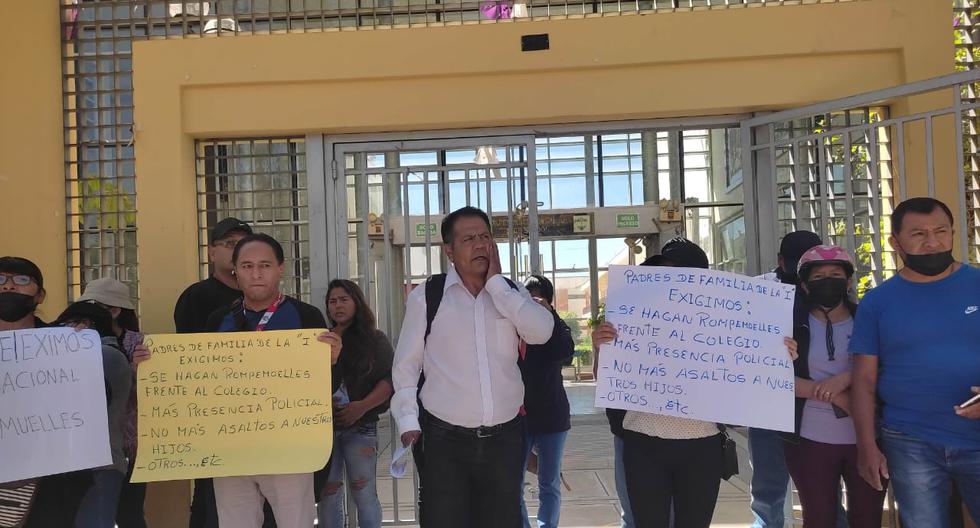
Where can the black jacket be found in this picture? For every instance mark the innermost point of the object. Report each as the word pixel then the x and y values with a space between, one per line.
pixel 361 369
pixel 545 400
pixel 801 366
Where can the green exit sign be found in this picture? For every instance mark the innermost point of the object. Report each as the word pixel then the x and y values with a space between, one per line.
pixel 420 230
pixel 628 220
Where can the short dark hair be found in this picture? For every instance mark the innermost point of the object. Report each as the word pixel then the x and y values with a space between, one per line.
pixel 449 222
pixel 542 285
pixel 920 205
pixel 96 317
pixel 22 266
pixel 259 237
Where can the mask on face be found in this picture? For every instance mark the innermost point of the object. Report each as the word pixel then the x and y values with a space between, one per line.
pixel 930 264
pixel 827 293
pixel 15 306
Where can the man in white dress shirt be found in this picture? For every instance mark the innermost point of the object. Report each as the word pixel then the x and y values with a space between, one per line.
pixel 469 427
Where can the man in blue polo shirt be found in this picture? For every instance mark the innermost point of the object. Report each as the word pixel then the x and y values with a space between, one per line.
pixel 916 346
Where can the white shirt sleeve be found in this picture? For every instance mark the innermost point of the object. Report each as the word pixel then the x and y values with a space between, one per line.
pixel 408 363
pixel 534 322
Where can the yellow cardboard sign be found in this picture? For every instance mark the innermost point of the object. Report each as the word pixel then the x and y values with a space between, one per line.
pixel 227 404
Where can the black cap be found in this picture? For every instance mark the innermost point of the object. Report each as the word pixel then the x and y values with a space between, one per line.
pixel 794 245
pixel 222 228
pixel 679 252
pixel 22 266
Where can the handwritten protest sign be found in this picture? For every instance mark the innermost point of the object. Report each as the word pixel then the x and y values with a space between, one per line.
pixel 226 404
pixel 52 403
pixel 700 344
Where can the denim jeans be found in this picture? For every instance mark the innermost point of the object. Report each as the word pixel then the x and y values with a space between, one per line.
pixel 356 457
pixel 98 507
pixel 620 472
pixel 550 448
pixel 922 474
pixel 770 478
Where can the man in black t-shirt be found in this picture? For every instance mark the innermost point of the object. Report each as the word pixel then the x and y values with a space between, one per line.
pixel 221 288
pixel 191 315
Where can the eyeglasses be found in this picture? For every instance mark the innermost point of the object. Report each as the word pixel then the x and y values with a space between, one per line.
pixel 227 244
pixel 19 280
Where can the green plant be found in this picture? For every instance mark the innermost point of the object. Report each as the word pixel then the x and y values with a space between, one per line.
pixel 572 321
pixel 583 355
pixel 599 318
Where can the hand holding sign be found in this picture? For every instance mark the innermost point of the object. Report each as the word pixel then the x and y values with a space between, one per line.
pixel 336 344
pixel 52 403
pixel 228 404
pixel 698 344
pixel 140 354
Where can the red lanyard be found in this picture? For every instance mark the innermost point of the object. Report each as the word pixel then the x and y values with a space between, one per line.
pixel 268 313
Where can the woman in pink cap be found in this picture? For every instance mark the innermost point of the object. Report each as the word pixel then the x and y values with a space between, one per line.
pixel 823 448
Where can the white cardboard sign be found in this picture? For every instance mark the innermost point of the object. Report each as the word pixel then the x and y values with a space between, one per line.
pixel 52 403
pixel 699 344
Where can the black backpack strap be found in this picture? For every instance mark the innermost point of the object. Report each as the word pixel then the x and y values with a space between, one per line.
pixel 238 314
pixel 434 287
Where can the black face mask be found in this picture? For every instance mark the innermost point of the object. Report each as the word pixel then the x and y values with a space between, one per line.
pixel 15 306
pixel 930 264
pixel 827 293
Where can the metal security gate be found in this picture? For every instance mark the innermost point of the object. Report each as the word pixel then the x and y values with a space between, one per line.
pixel 383 211
pixel 838 169
pixel 565 201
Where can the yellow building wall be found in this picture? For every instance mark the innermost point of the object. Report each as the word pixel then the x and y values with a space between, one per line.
pixel 612 68
pixel 598 69
pixel 32 167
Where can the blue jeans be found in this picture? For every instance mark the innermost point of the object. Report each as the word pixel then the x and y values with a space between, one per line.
pixel 922 474
pixel 356 455
pixel 620 472
pixel 98 507
pixel 770 478
pixel 550 448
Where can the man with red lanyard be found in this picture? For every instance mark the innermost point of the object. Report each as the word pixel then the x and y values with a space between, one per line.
pixel 258 264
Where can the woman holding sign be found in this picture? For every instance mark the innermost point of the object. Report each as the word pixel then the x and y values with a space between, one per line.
pixel 113 296
pixel 365 369
pixel 823 450
pixel 671 463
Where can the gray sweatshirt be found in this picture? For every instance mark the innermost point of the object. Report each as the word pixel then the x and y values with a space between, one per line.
pixel 119 379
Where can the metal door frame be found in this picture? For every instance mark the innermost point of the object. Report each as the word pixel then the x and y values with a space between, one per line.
pixel 760 142
pixel 328 216
pixel 761 139
pixel 327 262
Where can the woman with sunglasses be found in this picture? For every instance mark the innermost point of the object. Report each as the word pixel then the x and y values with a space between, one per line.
pixel 823 449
